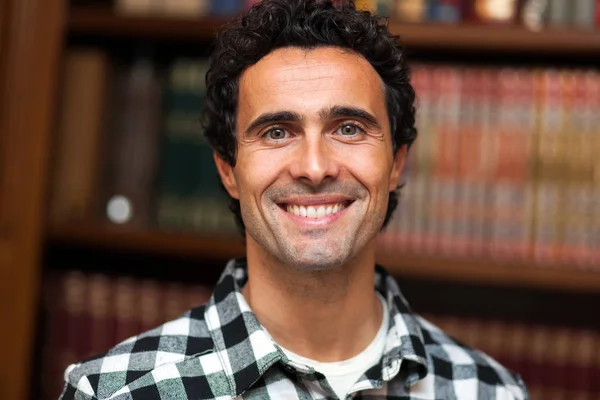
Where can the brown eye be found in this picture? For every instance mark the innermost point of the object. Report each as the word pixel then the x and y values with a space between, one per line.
pixel 348 130
pixel 276 134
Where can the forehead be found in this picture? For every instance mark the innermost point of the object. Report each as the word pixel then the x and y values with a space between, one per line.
pixel 292 77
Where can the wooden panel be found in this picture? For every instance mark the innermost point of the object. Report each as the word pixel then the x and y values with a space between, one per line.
pixel 32 39
pixel 487 39
pixel 4 12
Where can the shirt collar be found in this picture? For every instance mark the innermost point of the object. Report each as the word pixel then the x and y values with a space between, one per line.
pixel 246 350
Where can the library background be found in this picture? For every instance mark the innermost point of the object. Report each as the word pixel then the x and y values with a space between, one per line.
pixel 112 219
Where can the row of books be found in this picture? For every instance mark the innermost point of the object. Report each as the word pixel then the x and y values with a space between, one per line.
pixel 85 314
pixel 504 166
pixel 183 8
pixel 130 148
pixel 534 14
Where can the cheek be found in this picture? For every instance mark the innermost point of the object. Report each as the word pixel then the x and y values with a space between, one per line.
pixel 256 172
pixel 371 169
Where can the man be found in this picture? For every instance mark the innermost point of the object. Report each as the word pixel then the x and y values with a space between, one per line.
pixel 310 112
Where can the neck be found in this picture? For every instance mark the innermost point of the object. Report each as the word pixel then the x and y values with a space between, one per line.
pixel 326 316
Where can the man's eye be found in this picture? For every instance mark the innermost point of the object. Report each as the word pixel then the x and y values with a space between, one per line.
pixel 276 134
pixel 348 130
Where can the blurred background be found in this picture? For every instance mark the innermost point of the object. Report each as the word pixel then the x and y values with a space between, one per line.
pixel 112 219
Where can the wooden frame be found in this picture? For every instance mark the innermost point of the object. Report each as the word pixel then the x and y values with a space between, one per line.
pixel 31 40
pixel 473 38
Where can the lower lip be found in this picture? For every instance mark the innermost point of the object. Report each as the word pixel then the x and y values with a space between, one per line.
pixel 328 219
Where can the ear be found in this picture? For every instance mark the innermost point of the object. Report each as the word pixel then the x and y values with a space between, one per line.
pixel 397 167
pixel 227 176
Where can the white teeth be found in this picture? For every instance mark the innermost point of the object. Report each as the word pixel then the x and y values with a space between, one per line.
pixel 314 211
pixel 320 212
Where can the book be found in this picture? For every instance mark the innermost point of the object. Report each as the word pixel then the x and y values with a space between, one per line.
pixel 190 193
pixel 226 7
pixel 86 314
pixel 559 13
pixel 496 12
pixel 533 14
pixel 446 11
pixel 584 14
pixel 138 7
pixel 133 143
pixel 82 123
pixel 185 8
pixel 410 10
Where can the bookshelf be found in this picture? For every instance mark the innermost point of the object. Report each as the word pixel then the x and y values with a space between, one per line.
pixel 33 38
pixel 147 241
pixel 467 270
pixel 101 22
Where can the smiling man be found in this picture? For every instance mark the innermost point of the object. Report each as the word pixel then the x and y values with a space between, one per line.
pixel 310 113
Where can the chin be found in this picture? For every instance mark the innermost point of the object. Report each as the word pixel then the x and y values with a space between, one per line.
pixel 315 259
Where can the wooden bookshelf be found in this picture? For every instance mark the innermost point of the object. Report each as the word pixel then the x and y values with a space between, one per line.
pixel 151 241
pixel 483 272
pixel 103 22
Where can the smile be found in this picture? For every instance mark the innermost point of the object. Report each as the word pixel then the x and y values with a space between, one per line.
pixel 315 211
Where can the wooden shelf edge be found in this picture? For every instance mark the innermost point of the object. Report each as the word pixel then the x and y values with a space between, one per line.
pixel 147 241
pixel 104 22
pixel 493 272
pixel 499 39
pixel 100 21
pixel 469 271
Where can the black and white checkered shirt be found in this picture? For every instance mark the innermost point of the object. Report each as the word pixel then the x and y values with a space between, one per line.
pixel 220 351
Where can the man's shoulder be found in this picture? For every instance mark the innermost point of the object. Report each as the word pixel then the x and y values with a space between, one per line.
pixel 172 343
pixel 452 360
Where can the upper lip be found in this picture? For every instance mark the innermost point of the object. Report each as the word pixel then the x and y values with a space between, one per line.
pixel 314 200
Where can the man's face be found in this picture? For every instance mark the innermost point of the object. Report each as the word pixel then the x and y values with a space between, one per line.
pixel 314 158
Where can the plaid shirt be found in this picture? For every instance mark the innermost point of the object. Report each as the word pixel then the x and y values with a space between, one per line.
pixel 220 351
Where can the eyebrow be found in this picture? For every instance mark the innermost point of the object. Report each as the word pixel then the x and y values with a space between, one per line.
pixel 270 118
pixel 325 114
pixel 350 112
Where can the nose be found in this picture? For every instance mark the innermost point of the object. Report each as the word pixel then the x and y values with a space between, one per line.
pixel 314 161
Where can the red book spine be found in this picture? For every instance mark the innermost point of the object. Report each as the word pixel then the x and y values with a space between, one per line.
pixel 557 365
pixel 198 295
pixel 580 372
pixel 514 356
pixel 125 308
pixel 445 179
pixel 76 333
pixel 102 333
pixel 548 173
pixel 174 300
pixel 54 345
pixel 534 374
pixel 595 384
pixel 149 302
pixel 418 219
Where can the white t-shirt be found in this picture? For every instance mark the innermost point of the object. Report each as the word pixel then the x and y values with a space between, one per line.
pixel 342 375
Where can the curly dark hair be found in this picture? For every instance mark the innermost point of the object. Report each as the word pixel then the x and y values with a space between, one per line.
pixel 307 24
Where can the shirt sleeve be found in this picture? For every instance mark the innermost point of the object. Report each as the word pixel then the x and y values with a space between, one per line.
pixel 523 387
pixel 79 390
